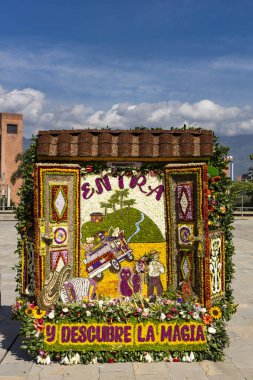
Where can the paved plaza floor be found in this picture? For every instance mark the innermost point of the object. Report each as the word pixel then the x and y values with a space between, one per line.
pixel 15 363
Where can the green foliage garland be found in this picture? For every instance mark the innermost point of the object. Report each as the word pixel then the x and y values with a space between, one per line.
pixel 24 211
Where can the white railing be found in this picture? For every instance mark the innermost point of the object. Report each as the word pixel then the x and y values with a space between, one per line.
pixel 243 211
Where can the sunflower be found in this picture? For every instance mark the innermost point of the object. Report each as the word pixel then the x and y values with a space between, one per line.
pixel 29 312
pixel 215 312
pixel 38 313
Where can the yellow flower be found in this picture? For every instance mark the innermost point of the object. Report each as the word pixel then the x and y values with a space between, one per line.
pixel 37 313
pixel 29 312
pixel 215 312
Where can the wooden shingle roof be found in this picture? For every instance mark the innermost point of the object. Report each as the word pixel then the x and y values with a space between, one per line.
pixel 95 145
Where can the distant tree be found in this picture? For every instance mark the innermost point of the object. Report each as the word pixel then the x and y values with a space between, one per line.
pixel 129 202
pixel 249 175
pixel 114 200
pixel 120 195
pixel 106 205
pixel 237 190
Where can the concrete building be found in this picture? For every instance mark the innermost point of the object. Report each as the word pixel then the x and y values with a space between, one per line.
pixel 11 143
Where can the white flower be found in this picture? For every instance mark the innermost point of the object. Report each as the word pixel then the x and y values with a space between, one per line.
pixel 51 315
pixel 75 359
pixel 65 309
pixel 94 360
pixel 148 358
pixel 84 305
pixel 100 304
pixel 183 314
pixel 37 334
pixel 39 358
pixel 88 313
pixel 65 360
pixel 47 360
pixel 188 358
pixel 145 312
pixel 203 310
pixel 42 360
pixel 211 330
pixel 195 315
pixel 162 316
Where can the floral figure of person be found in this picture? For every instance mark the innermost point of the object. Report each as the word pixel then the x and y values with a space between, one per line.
pixel 155 269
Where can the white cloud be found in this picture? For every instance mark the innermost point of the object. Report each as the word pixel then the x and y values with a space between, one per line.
pixel 27 101
pixel 41 113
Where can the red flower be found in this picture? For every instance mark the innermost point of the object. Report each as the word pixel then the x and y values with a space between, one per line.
pixel 169 316
pixel 176 360
pixel 111 360
pixel 89 168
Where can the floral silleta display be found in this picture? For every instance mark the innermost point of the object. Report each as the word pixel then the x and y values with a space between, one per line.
pixel 125 247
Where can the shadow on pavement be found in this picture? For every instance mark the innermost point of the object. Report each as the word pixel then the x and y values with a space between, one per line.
pixel 10 341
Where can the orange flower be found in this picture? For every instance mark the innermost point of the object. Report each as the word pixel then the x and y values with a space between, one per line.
pixel 207 319
pixel 38 325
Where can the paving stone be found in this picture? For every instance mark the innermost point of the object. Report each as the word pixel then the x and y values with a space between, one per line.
pixel 16 354
pixel 150 368
pixel 81 372
pixel 19 369
pixel 124 371
pixel 116 367
pixel 186 371
pixel 241 354
pixel 217 369
pixel 13 377
pixel 235 376
pixel 237 366
pixel 117 376
pixel 152 377
pixel 55 371
pixel 247 373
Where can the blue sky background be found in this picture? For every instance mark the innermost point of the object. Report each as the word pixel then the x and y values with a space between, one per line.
pixel 91 63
